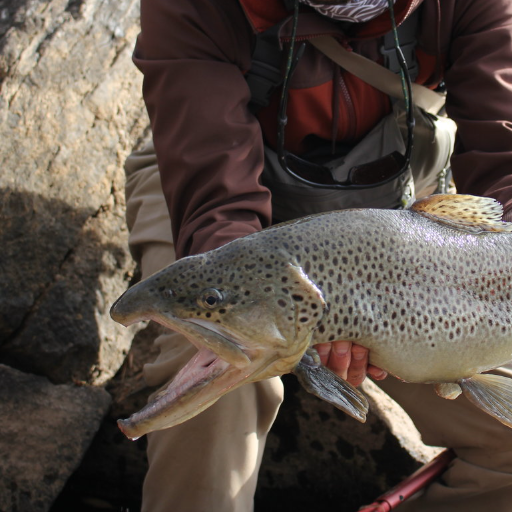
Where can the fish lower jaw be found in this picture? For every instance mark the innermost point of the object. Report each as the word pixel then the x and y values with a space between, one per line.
pixel 169 407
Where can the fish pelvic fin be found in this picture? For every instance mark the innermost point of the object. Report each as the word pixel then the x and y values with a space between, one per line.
pixel 318 380
pixel 464 212
pixel 492 394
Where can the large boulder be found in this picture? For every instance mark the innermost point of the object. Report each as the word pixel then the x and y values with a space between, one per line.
pixel 45 430
pixel 70 112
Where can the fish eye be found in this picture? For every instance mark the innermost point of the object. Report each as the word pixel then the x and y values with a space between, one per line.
pixel 210 298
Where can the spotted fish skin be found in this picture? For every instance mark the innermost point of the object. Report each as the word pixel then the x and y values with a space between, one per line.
pixel 427 290
pixel 431 303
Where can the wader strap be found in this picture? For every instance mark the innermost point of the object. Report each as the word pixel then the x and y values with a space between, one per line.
pixel 265 73
pixel 376 75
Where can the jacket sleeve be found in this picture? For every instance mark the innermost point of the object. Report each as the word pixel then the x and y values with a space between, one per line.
pixel 209 147
pixel 479 85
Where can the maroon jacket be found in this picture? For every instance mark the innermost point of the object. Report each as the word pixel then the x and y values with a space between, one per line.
pixel 210 147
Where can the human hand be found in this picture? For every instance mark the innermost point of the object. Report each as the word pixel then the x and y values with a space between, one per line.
pixel 349 361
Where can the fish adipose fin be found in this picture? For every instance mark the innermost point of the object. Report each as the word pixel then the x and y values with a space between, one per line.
pixel 468 213
pixel 492 394
pixel 325 384
pixel 448 390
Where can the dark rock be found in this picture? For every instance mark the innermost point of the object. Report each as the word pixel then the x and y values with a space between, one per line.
pixel 67 334
pixel 45 431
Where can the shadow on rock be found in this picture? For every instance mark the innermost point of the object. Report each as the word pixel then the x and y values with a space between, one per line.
pixel 61 269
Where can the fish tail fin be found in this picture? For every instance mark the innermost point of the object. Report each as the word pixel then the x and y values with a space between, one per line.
pixel 492 394
pixel 325 384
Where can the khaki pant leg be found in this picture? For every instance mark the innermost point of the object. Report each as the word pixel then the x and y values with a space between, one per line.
pixel 147 216
pixel 210 462
pixel 480 478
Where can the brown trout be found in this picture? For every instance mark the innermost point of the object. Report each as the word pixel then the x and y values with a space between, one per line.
pixel 427 290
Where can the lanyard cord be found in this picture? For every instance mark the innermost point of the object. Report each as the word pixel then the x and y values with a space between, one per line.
pixel 406 85
pixel 291 63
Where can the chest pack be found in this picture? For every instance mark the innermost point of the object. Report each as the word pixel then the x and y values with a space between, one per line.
pixel 434 135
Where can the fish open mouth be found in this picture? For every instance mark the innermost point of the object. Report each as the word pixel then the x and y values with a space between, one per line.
pixel 201 369
pixel 200 383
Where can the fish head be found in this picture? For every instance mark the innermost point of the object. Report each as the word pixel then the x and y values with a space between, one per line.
pixel 251 315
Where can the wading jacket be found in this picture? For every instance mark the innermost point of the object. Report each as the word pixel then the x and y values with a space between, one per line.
pixel 194 56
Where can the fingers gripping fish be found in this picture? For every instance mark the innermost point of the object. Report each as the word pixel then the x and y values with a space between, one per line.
pixel 427 290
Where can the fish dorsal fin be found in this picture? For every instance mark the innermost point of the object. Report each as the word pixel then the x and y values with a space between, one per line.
pixel 468 213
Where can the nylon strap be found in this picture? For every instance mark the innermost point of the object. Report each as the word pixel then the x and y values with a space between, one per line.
pixel 376 75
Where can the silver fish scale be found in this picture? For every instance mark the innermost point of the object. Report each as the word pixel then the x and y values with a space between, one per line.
pixel 393 277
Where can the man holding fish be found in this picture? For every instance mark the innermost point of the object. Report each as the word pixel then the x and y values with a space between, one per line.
pixel 255 122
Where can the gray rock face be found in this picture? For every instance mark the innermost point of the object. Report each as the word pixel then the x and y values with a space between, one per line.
pixel 45 430
pixel 70 111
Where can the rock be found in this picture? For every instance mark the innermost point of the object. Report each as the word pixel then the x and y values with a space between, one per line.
pixel 45 430
pixel 67 334
pixel 113 464
pixel 398 422
pixel 70 111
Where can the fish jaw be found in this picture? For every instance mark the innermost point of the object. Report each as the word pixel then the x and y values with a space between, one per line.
pixel 201 382
pixel 248 329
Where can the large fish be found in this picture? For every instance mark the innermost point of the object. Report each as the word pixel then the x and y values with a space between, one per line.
pixel 427 290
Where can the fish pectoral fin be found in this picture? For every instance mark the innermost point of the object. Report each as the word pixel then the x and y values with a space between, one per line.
pixel 468 213
pixel 492 394
pixel 325 384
